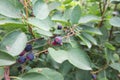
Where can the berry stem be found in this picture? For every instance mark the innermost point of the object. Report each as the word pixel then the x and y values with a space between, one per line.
pixel 101 69
pixel 46 50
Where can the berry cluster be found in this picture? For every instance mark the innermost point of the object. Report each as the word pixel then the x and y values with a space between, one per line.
pixel 30 56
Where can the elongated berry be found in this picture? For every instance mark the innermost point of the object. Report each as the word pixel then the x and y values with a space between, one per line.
pixel 22 53
pixel 30 56
pixel 21 59
pixel 59 27
pixel 58 40
pixel 28 47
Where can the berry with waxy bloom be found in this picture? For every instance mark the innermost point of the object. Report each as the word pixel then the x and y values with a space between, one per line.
pixel 59 27
pixel 30 56
pixel 58 40
pixel 21 59
pixel 28 47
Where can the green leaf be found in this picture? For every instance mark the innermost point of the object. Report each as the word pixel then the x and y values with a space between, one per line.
pixel 34 76
pixel 104 78
pixel 59 56
pixel 67 14
pixel 116 57
pixel 90 38
pixel 85 41
pixel 10 8
pixel 67 1
pixel 82 75
pixel 53 5
pixel 75 56
pixel 115 66
pixel 6 59
pixel 117 38
pixel 65 68
pixel 40 9
pixel 14 42
pixel 58 17
pixel 52 74
pixel 43 32
pixel 73 42
pixel 91 30
pixel 79 58
pixel 1 73
pixel 45 24
pixel 9 21
pixel 42 74
pixel 115 21
pixel 75 14
pixel 88 18
pixel 115 1
pixel 110 46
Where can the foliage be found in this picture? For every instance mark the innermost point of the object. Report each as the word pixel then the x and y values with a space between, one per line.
pixel 68 39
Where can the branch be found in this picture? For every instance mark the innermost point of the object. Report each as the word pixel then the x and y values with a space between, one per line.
pixel 111 30
pixel 105 5
pixel 100 7
pixel 26 6
pixel 31 31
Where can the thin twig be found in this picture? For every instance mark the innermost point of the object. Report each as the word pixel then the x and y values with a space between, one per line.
pixel 34 40
pixel 101 69
pixel 38 53
pixel 26 8
pixel 31 31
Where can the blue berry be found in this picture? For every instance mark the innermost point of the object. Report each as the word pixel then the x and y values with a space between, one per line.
pixel 30 56
pixel 59 27
pixel 28 47
pixel 21 59
pixel 94 76
pixel 58 40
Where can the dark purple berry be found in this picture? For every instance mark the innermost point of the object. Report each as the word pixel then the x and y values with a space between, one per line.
pixel 30 56
pixel 28 47
pixel 59 27
pixel 21 59
pixel 54 43
pixel 22 53
pixel 58 40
